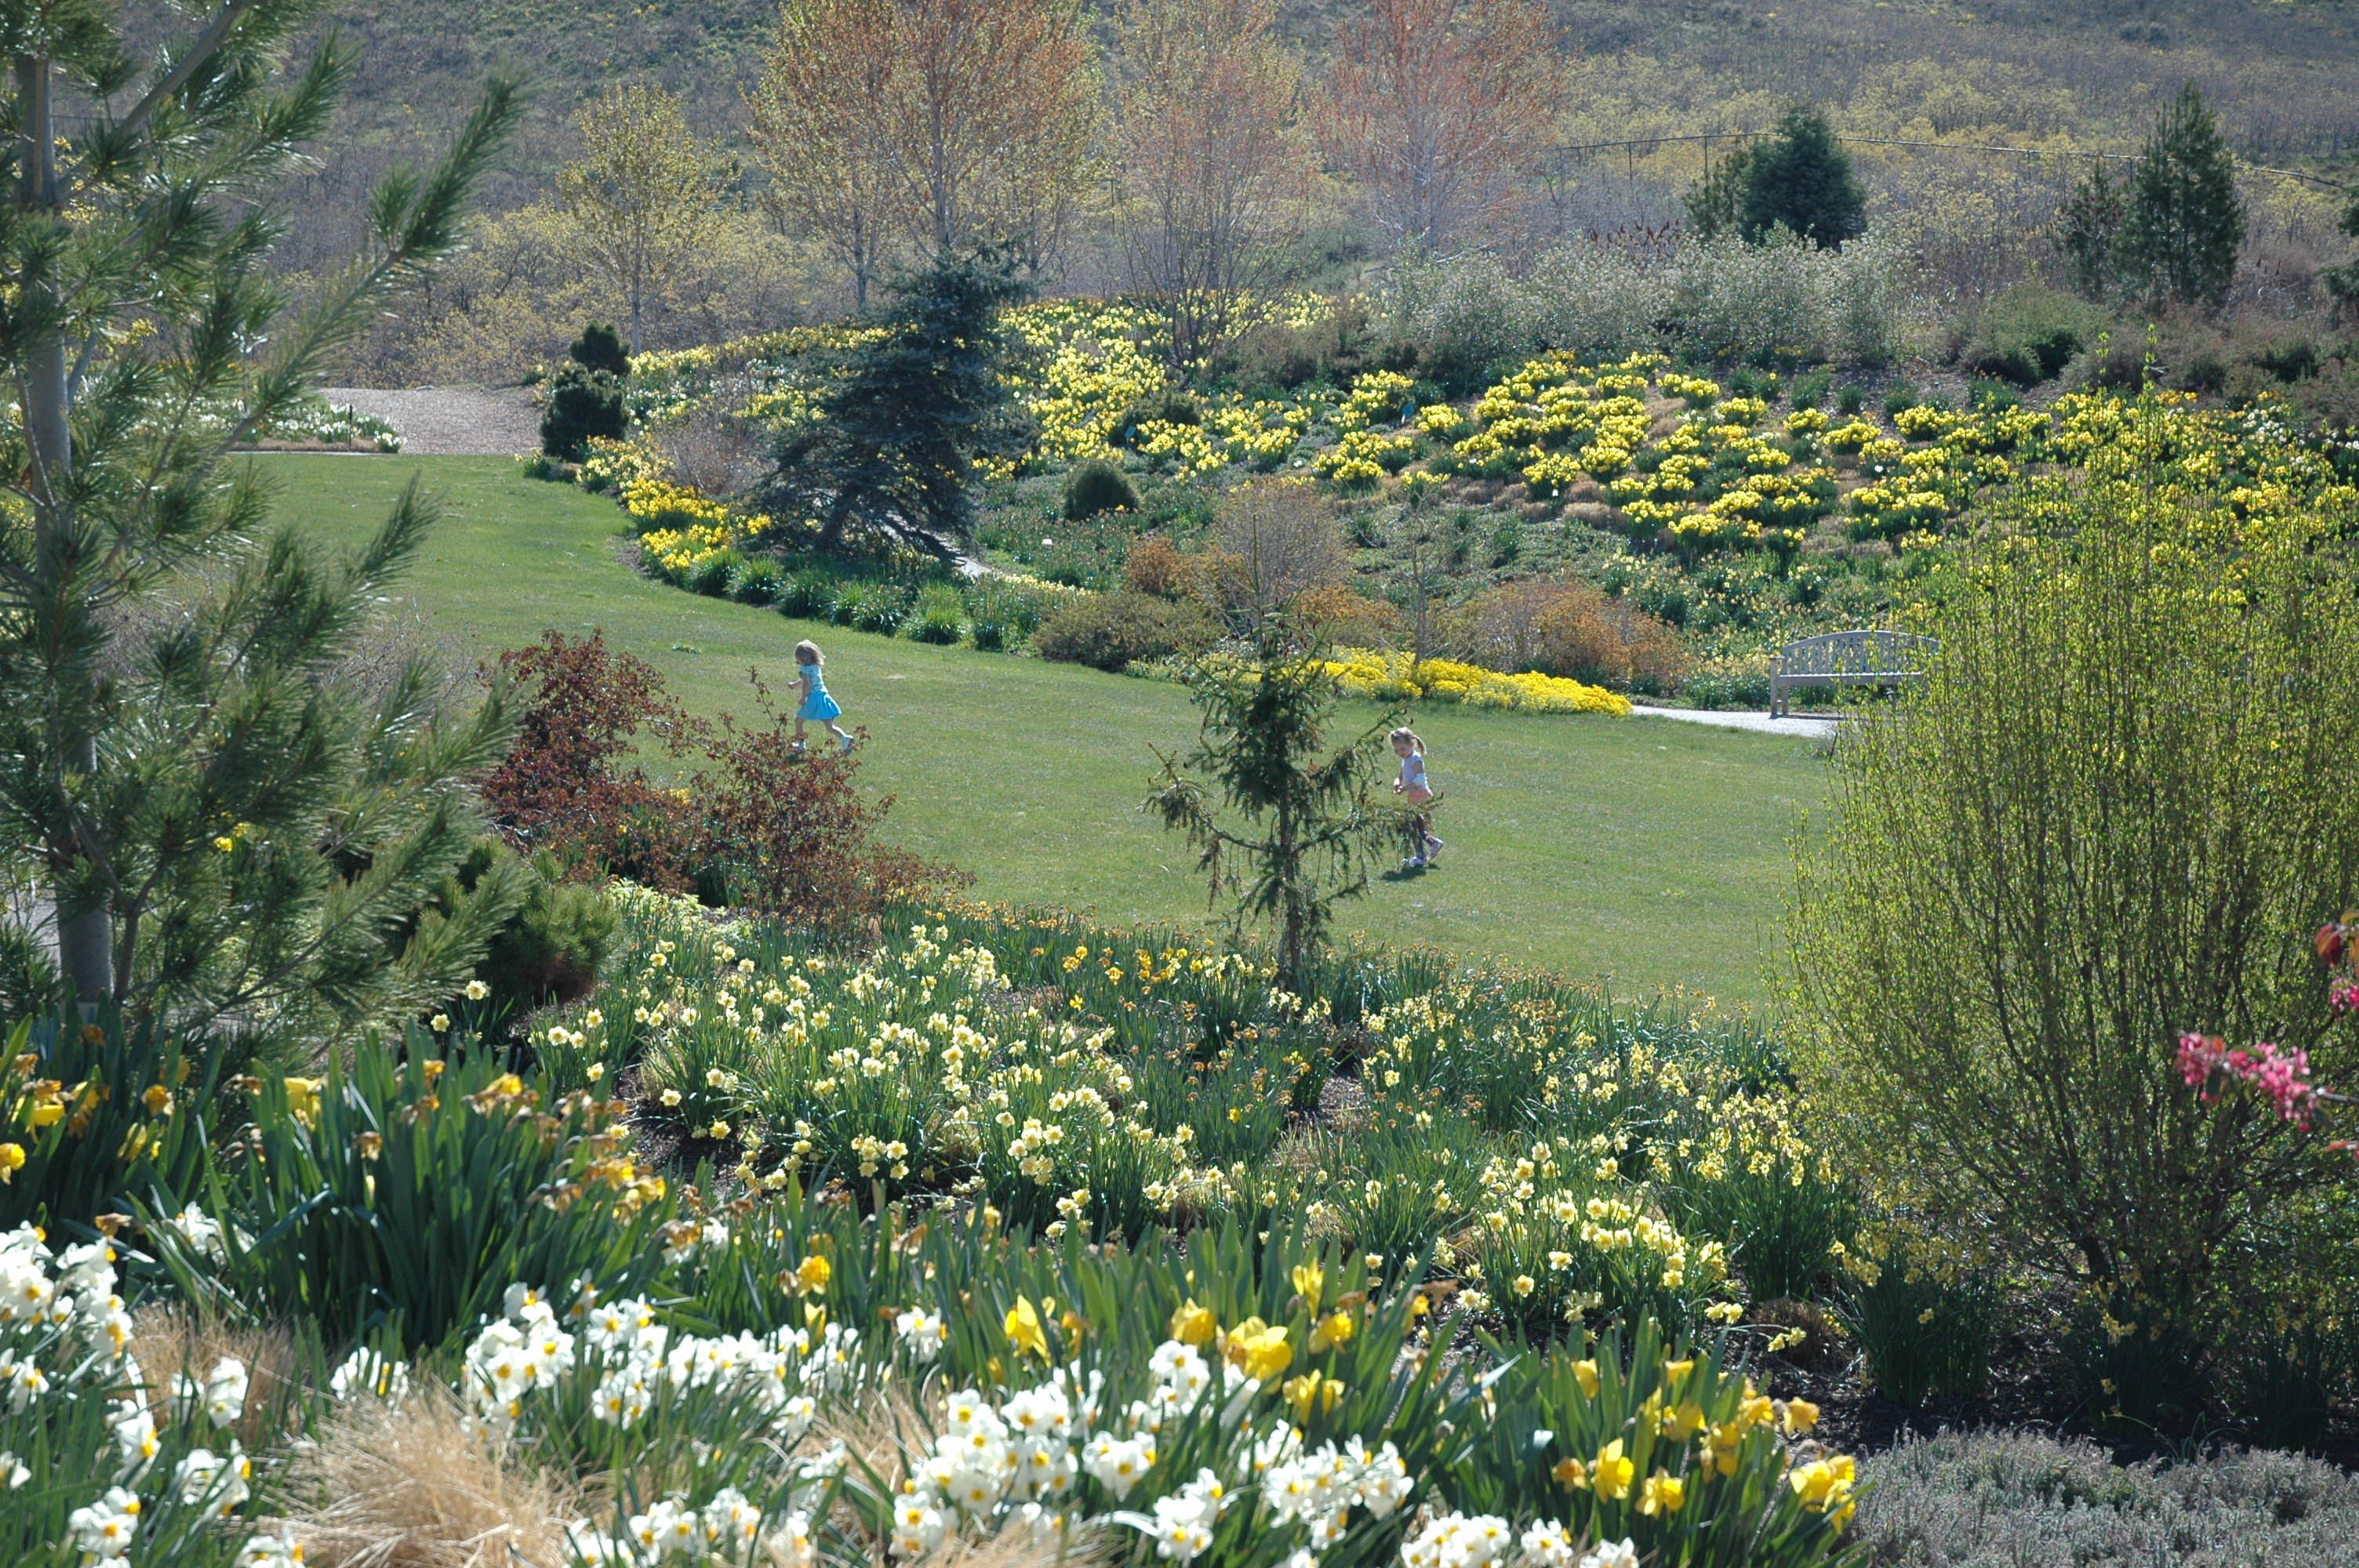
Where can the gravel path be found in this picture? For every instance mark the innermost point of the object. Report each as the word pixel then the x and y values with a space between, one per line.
pixel 1810 728
pixel 451 421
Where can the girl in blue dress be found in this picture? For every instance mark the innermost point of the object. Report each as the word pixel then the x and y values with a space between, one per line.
pixel 817 706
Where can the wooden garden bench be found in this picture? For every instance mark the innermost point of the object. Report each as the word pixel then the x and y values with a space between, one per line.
pixel 1879 659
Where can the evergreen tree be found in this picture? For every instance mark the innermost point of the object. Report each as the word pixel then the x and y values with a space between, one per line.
pixel 1803 179
pixel 222 825
pixel 1715 203
pixel 2088 232
pixel 2343 281
pixel 1308 821
pixel 909 412
pixel 2184 223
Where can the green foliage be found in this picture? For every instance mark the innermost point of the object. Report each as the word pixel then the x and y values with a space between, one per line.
pixel 2022 1498
pixel 1715 204
pixel 1630 1415
pixel 1096 486
pixel 761 580
pixel 911 411
pixel 1802 180
pixel 2029 335
pixel 714 574
pixel 2089 229
pixel 581 403
pixel 2184 223
pixel 599 348
pixel 1307 823
pixel 1925 1325
pixel 1113 631
pixel 939 617
pixel 134 746
pixel 549 950
pixel 403 1198
pixel 2140 701
pixel 100 1112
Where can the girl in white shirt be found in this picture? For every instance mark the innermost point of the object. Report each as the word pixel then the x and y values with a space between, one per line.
pixel 1413 788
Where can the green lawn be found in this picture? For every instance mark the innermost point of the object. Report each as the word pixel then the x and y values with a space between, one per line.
pixel 1651 851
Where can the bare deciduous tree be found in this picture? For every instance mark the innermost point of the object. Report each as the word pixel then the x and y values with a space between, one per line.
pixel 1273 541
pixel 1444 110
pixel 820 118
pixel 1212 166
pixel 643 196
pixel 992 121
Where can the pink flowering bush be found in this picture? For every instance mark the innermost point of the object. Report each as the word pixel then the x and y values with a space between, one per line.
pixel 2214 1068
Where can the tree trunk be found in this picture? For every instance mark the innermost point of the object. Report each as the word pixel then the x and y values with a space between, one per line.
pixel 84 937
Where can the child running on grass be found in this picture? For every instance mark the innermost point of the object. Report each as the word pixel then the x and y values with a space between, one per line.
pixel 1412 787
pixel 817 706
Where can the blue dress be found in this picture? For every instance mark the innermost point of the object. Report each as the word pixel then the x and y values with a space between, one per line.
pixel 818 708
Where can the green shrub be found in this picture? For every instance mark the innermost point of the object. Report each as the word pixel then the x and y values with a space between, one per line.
pixel 581 403
pixel 1903 394
pixel 1811 389
pixel 1848 398
pixel 601 348
pixel 2033 1501
pixel 941 615
pixel 1095 486
pixel 2103 719
pixel 758 581
pixel 2029 334
pixel 810 593
pixel 1172 406
pixel 551 947
pixel 405 1199
pixel 714 574
pixel 1654 1410
pixel 1924 1323
pixel 1113 631
pixel 881 608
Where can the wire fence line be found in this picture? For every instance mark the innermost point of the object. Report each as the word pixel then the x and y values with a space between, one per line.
pixel 1630 148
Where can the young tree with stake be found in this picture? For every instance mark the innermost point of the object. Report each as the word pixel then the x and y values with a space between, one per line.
pixel 1307 821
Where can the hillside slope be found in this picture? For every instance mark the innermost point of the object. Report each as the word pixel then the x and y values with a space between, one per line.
pixel 2285 76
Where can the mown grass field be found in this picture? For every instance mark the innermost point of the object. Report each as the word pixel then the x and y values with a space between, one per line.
pixel 1653 852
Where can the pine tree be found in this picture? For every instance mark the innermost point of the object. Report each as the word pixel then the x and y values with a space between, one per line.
pixel 909 413
pixel 1803 179
pixel 222 826
pixel 2088 232
pixel 2343 281
pixel 1308 822
pixel 2184 223
pixel 1715 203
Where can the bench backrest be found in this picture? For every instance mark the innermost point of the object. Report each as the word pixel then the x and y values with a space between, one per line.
pixel 1864 652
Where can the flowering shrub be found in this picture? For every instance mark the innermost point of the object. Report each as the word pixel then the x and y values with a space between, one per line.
pixel 1392 677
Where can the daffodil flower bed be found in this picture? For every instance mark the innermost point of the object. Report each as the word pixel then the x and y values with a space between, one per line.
pixel 1719 496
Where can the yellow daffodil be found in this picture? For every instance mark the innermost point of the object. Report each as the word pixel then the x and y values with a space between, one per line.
pixel 1612 1474
pixel 1663 1493
pixel 1193 1324
pixel 1024 1336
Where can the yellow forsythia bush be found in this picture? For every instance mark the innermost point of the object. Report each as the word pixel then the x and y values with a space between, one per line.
pixel 1366 672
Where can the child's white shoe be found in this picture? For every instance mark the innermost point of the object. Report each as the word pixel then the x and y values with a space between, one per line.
pixel 847 745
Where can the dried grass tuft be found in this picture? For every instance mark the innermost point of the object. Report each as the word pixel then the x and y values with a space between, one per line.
pixel 169 1340
pixel 410 1488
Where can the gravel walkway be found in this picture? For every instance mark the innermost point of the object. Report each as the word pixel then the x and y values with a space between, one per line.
pixel 1809 728
pixel 451 421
